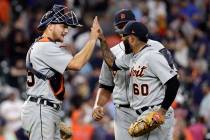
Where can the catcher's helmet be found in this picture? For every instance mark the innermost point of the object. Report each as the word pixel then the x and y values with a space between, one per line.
pixel 59 14
pixel 136 28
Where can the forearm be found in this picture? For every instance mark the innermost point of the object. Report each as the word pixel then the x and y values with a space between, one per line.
pixel 102 97
pixel 82 57
pixel 107 54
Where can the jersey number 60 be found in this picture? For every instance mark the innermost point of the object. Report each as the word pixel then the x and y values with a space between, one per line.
pixel 141 89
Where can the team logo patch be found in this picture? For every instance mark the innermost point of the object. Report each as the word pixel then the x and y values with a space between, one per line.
pixel 138 71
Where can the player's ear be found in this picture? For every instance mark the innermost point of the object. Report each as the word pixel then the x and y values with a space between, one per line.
pixel 132 39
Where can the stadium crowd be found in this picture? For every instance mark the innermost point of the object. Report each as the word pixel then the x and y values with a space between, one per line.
pixel 183 26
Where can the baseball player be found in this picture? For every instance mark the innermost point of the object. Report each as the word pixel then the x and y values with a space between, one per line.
pixel 153 78
pixel 46 63
pixel 115 83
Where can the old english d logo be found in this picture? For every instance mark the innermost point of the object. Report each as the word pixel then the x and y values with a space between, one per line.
pixel 122 16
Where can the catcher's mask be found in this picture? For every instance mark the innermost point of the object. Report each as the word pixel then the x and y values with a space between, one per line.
pixel 59 14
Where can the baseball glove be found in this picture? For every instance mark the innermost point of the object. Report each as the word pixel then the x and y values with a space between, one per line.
pixel 145 124
pixel 65 131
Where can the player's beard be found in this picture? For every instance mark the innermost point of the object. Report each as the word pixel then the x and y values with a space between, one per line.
pixel 128 49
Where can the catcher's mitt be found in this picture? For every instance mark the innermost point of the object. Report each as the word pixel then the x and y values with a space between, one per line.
pixel 65 131
pixel 145 124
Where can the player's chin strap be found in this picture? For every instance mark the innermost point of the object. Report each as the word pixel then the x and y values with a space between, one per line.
pixel 38 74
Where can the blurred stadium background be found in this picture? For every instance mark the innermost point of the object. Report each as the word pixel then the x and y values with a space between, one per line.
pixel 183 26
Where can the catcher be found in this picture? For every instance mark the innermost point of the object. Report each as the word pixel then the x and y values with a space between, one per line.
pixel 46 63
pixel 153 82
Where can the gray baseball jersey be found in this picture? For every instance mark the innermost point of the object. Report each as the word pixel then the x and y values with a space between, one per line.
pixel 149 71
pixel 46 56
pixel 118 79
pixel 41 121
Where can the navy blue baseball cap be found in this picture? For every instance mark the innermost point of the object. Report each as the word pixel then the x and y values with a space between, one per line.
pixel 137 29
pixel 59 14
pixel 123 16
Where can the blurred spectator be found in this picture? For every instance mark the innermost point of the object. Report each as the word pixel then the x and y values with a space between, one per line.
pixel 198 130
pixel 190 10
pixel 17 74
pixel 104 129
pixel 2 128
pixel 81 87
pixel 181 54
pixel 181 132
pixel 82 129
pixel 158 14
pixel 205 103
pixel 199 75
pixel 5 11
pixel 10 111
pixel 17 44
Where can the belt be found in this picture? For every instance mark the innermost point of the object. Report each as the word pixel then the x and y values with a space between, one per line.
pixel 141 110
pixel 122 105
pixel 44 102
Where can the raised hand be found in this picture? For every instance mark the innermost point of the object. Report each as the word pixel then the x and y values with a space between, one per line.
pixel 95 29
